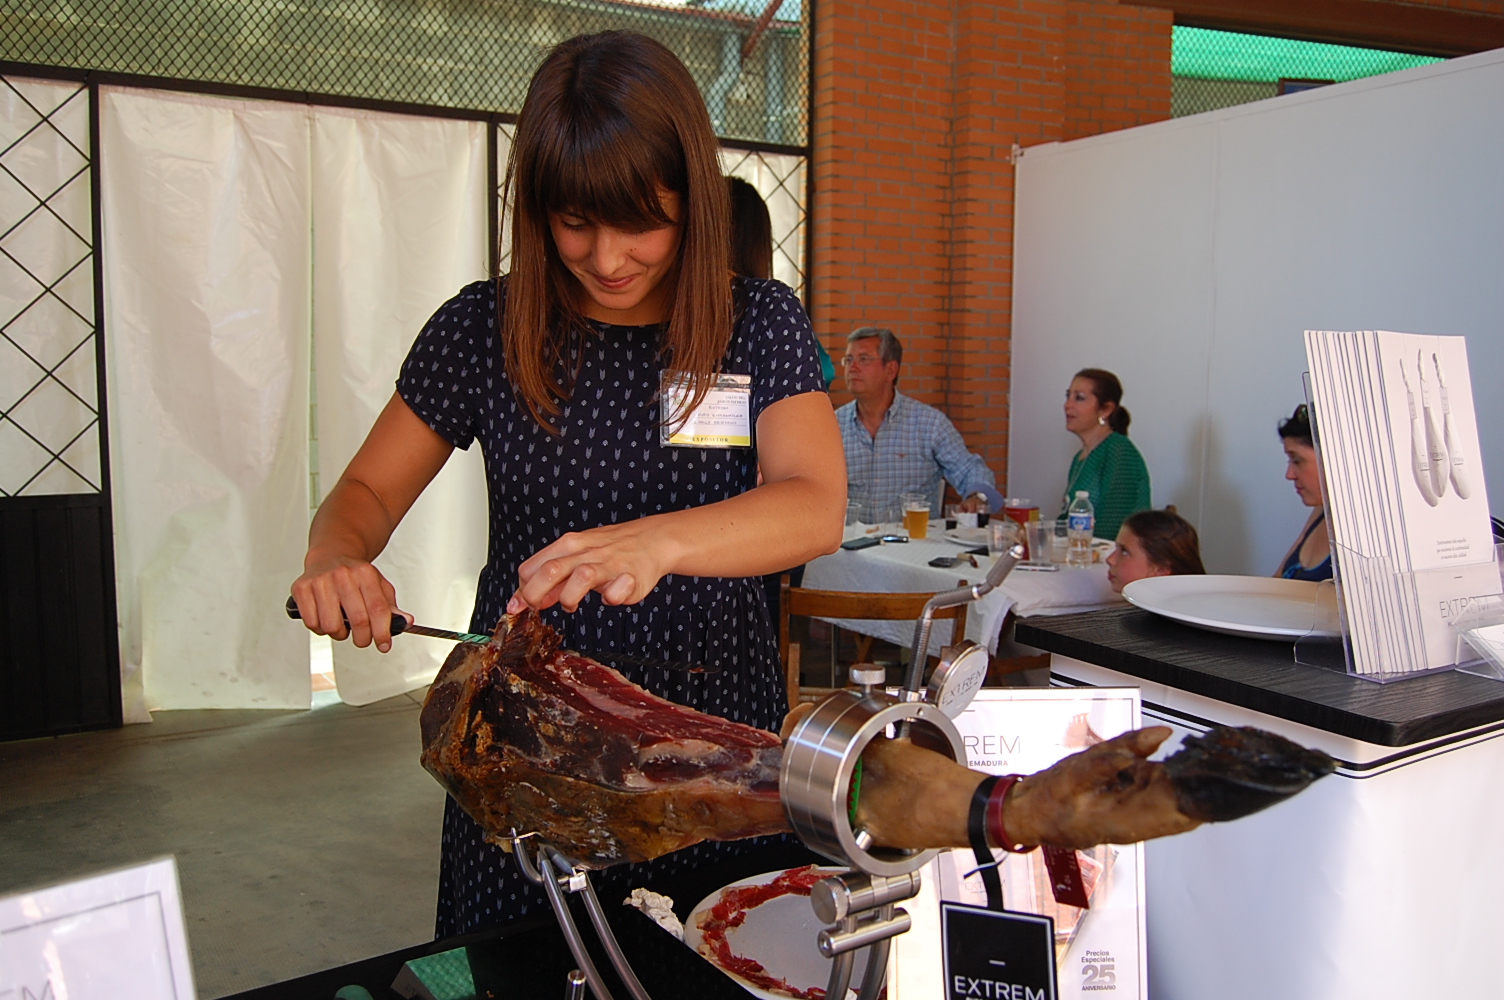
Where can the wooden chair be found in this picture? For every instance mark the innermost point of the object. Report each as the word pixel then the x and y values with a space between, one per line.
pixel 849 604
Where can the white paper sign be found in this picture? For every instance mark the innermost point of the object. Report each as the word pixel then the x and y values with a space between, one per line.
pixel 118 936
pixel 1100 952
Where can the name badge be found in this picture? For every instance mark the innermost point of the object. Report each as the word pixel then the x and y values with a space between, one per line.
pixel 722 420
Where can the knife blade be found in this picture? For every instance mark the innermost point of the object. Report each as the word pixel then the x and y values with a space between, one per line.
pixel 400 625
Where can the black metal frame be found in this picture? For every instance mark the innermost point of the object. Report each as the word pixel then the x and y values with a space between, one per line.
pixel 59 642
pixel 90 241
pixel 95 79
pixel 74 505
pixel 100 78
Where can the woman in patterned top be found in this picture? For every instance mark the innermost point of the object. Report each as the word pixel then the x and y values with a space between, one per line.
pixel 1108 466
pixel 619 280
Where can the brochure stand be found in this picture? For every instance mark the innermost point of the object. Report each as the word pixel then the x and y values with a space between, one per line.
pixel 1329 644
pixel 1480 633
pixel 1408 652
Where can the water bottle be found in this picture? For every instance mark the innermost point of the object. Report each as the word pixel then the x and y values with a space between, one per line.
pixel 1081 519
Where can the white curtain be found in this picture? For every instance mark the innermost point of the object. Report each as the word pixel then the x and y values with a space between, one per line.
pixel 237 236
pixel 206 256
pixel 399 223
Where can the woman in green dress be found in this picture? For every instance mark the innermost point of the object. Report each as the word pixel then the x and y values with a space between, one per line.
pixel 1108 466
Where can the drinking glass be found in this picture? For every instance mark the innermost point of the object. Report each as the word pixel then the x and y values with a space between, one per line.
pixel 916 514
pixel 853 519
pixel 1060 540
pixel 882 515
pixel 1040 538
pixel 1002 534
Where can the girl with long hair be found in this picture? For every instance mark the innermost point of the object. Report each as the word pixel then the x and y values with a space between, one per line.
pixel 1153 543
pixel 620 286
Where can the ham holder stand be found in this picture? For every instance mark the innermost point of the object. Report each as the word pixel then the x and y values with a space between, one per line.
pixel 819 761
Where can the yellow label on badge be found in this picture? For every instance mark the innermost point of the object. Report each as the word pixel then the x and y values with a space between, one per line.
pixel 722 420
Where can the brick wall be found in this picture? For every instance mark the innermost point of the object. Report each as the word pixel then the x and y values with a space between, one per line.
pixel 917 106
pixel 1117 67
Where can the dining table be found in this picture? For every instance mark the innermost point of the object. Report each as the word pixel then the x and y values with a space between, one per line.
pixel 904 567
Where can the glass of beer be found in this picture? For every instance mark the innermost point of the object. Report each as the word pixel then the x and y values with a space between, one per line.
pixel 916 514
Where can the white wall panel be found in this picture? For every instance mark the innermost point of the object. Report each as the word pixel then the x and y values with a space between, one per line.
pixel 1080 302
pixel 1189 256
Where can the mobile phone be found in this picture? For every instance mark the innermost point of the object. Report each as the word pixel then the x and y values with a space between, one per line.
pixel 894 538
pixel 864 542
pixel 944 562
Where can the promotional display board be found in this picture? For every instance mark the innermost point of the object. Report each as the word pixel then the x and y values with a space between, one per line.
pixel 1405 492
pixel 117 936
pixel 1100 951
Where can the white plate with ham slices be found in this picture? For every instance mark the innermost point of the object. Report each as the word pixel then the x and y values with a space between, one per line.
pixel 761 931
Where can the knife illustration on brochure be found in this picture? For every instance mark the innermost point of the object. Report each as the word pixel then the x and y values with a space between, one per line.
pixel 400 625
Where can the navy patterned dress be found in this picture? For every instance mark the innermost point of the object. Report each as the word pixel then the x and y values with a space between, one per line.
pixel 606 466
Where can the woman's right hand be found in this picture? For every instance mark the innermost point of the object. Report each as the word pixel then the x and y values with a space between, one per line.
pixel 399 458
pixel 337 588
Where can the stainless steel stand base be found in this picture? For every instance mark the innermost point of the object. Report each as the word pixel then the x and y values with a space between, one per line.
pixel 556 873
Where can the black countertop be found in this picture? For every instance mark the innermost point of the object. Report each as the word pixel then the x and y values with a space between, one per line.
pixel 1263 676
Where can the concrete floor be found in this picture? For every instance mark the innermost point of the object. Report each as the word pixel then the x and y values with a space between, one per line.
pixel 304 840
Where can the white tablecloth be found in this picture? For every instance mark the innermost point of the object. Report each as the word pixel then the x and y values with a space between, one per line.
pixel 903 568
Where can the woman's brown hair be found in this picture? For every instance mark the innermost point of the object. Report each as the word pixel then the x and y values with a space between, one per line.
pixel 751 231
pixel 1106 387
pixel 1168 540
pixel 610 119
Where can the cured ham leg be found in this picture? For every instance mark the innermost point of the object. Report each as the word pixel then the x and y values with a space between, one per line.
pixel 531 737
pixel 1107 794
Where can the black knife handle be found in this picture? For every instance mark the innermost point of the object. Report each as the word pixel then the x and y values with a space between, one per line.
pixel 399 623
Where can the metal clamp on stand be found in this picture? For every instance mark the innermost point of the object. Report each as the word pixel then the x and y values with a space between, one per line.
pixel 820 759
pixel 954 599
pixel 861 908
pixel 556 873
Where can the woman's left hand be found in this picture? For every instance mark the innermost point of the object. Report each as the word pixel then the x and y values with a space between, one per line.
pixel 623 562
pixel 792 517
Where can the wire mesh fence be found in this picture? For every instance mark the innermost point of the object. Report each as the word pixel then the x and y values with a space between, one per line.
pixel 49 412
pixel 463 54
pixel 1218 69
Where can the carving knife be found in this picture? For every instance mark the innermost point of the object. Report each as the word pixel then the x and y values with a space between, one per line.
pixel 400 625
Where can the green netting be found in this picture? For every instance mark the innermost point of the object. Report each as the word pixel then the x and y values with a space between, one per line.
pixel 1217 69
pixel 466 54
pixel 1228 55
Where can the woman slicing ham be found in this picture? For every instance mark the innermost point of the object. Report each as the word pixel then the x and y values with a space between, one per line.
pixel 616 379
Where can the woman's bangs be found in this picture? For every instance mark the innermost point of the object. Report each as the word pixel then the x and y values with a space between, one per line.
pixel 607 179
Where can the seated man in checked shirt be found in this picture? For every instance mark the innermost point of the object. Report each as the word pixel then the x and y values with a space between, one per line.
pixel 896 444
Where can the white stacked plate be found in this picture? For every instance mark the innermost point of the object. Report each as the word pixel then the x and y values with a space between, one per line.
pixel 1257 607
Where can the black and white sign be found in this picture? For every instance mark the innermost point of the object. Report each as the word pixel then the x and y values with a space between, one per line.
pixel 991 955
